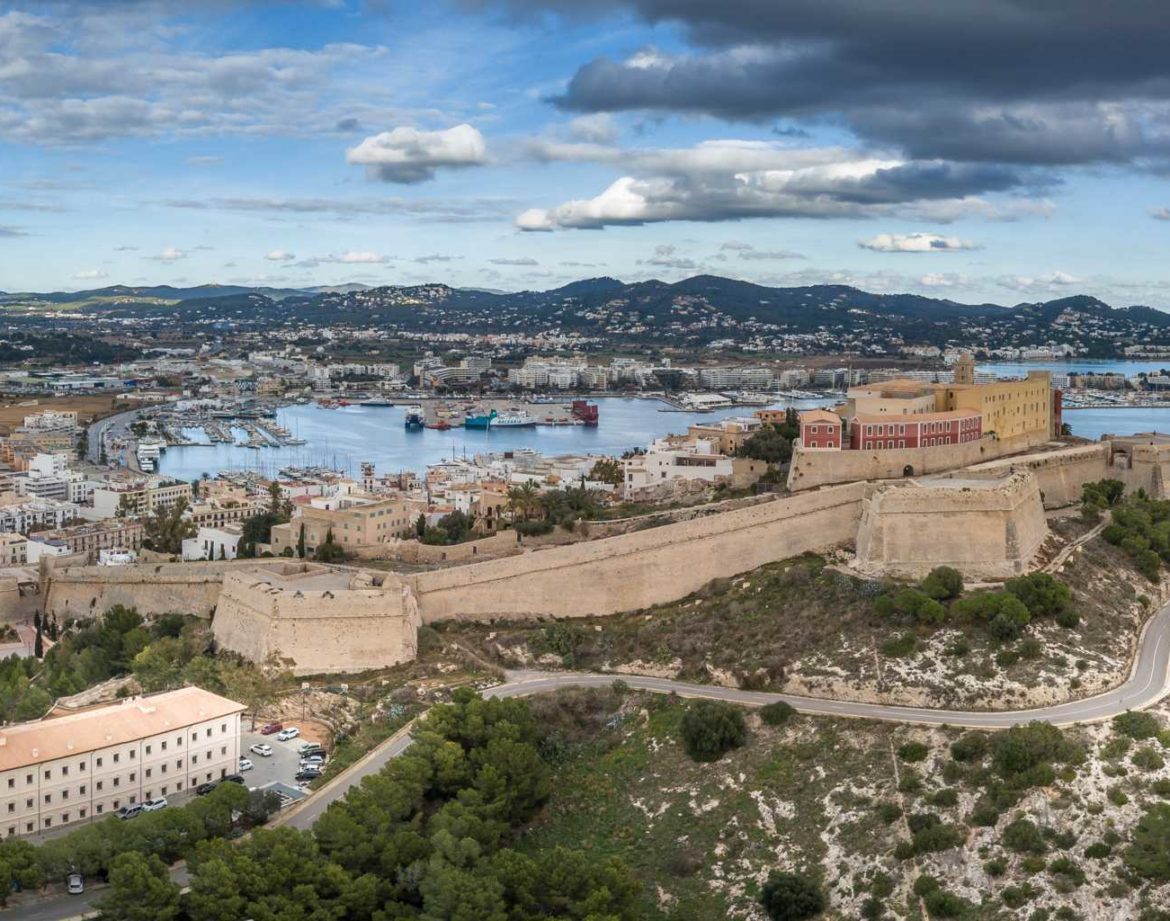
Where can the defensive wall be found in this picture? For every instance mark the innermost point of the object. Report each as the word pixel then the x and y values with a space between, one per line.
pixel 152 588
pixel 812 467
pixel 988 525
pixel 1060 474
pixel 642 568
pixel 318 620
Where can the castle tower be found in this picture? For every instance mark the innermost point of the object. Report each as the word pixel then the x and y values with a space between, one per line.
pixel 965 369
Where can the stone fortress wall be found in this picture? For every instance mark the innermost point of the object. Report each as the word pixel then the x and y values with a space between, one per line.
pixel 349 621
pixel 989 525
pixel 642 568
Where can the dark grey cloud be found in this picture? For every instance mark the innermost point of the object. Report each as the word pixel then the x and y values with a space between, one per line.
pixel 1021 81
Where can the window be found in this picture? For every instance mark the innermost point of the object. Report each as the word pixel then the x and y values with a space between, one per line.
pixel 81 791
pixel 99 762
pixel 28 778
pixel 28 826
pixel 48 823
pixel 64 816
pixel 11 808
pixel 48 774
pixel 100 808
pixel 148 749
pixel 133 754
pixel 64 770
pixel 194 759
pixel 179 765
pixel 48 797
pixel 81 813
pixel 117 757
pixel 99 785
pixel 209 732
pixel 81 767
pixel 223 750
pixel 117 781
pixel 133 776
pixel 194 736
pixel 11 782
pixel 148 772
pixel 164 746
pixel 64 794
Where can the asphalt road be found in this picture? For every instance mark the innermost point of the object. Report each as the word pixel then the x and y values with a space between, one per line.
pixel 93 449
pixel 1145 686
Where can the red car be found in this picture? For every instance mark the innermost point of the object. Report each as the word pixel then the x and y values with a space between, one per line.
pixel 271 728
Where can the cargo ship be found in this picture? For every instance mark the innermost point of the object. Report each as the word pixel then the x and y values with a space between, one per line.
pixel 479 420
pixel 414 418
pixel 584 411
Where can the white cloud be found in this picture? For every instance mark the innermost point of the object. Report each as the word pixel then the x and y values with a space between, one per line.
pixel 598 128
pixel 408 155
pixel 279 255
pixel 89 275
pixel 522 260
pixel 1046 282
pixel 915 243
pixel 170 254
pixel 1160 214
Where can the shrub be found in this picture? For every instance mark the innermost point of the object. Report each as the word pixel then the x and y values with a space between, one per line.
pixel 984 814
pixel 937 837
pixel 1068 619
pixel 711 728
pixel 925 884
pixel 888 812
pixel 945 797
pixel 1017 896
pixel 1149 853
pixel 923 608
pixel 900 646
pixel 943 583
pixel 970 746
pixel 1148 758
pixel 1099 850
pixel 792 897
pixel 1002 612
pixel 777 714
pixel 1041 594
pixel 913 751
pixel 1023 837
pixel 995 867
pixel 1066 868
pixel 1030 648
pixel 1161 787
pixel 1025 753
pixel 1137 724
pixel 1117 796
pixel 943 904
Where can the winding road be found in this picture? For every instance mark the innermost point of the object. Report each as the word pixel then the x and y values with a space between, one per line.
pixel 1148 683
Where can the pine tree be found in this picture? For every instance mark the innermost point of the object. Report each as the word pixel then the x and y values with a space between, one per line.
pixel 301 542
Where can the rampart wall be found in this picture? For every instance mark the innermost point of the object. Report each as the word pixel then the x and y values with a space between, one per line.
pixel 813 468
pixel 643 568
pixel 317 631
pixel 1060 474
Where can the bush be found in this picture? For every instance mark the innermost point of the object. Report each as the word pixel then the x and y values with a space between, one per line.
pixel 913 752
pixel 1017 896
pixel 777 714
pixel 985 814
pixel 937 837
pixel 1066 868
pixel 923 608
pixel 900 646
pixel 1023 837
pixel 1098 851
pixel 710 728
pixel 925 884
pixel 970 746
pixel 792 897
pixel 1002 612
pixel 1068 619
pixel 1041 594
pixel 945 797
pixel 943 583
pixel 1148 758
pixel 1117 796
pixel 943 904
pixel 995 867
pixel 1024 754
pixel 1137 724
pixel 1149 853
pixel 888 812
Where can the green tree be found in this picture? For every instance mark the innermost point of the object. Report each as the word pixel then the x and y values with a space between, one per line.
pixel 1041 594
pixel 1149 852
pixel 301 542
pixel 792 897
pixel 18 867
pixel 140 890
pixel 769 444
pixel 330 551
pixel 608 470
pixel 943 583
pixel 166 529
pixel 710 728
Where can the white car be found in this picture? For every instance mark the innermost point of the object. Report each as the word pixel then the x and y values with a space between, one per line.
pixel 311 763
pixel 246 764
pixel 76 884
pixel 285 734
pixel 263 749
pixel 154 805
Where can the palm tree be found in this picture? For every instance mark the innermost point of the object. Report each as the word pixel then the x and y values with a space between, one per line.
pixel 522 499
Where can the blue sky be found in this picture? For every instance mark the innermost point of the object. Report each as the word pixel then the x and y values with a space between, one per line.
pixel 509 145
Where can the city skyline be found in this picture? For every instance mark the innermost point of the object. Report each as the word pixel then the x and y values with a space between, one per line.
pixel 519 146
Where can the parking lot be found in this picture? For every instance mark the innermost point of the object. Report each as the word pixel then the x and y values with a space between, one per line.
pixel 281 765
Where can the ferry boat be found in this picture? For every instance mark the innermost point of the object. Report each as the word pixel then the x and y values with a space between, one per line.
pixel 585 411
pixel 517 419
pixel 376 401
pixel 479 420
pixel 414 418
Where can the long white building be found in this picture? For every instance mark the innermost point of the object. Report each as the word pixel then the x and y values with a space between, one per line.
pixel 84 766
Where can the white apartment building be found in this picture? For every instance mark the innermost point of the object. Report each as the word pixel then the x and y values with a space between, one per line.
pixel 218 543
pixel 747 378
pixel 140 499
pixel 665 462
pixel 21 516
pixel 84 766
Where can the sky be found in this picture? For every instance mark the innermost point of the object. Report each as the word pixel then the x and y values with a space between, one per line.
pixel 1000 150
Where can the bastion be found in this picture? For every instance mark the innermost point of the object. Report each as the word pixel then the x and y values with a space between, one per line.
pixel 317 620
pixel 989 525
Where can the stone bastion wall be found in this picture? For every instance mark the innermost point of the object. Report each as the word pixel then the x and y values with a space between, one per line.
pixel 989 525
pixel 811 468
pixel 642 568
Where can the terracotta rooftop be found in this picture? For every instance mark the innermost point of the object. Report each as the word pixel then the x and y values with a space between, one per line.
pixel 128 720
pixel 819 415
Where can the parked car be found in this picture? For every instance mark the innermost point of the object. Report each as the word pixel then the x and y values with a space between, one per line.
pixel 75 883
pixel 307 774
pixel 311 748
pixel 263 749
pixel 234 778
pixel 129 812
pixel 204 788
pixel 286 734
pixel 310 765
pixel 246 764
pixel 154 805
pixel 269 728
